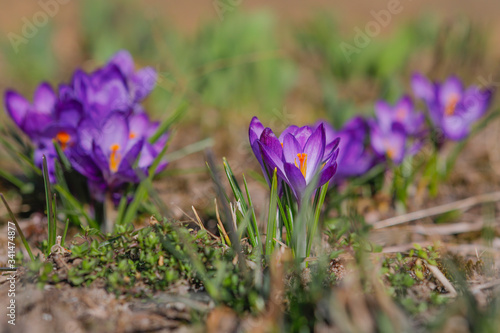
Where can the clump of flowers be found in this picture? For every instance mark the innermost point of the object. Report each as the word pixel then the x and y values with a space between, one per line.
pixel 452 108
pixel 298 165
pixel 98 122
pixel 298 155
pixel 396 130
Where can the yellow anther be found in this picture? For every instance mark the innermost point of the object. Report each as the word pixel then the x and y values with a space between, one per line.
pixel 114 158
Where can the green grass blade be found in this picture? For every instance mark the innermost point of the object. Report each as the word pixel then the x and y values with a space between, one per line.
pixel 190 149
pixel 141 193
pixel 317 212
pixel 74 202
pixel 238 194
pixel 19 230
pixel 66 226
pixel 165 126
pixel 68 208
pixel 62 156
pixel 30 164
pixel 50 212
pixel 254 225
pixel 286 221
pixel 271 218
pixel 12 179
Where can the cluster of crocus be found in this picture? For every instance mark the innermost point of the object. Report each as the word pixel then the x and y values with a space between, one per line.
pixel 97 120
pixel 452 108
pixel 396 131
pixel 298 155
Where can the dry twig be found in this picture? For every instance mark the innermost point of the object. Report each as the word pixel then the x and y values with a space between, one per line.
pixel 457 205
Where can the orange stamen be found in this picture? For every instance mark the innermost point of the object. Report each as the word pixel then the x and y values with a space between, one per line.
pixel 302 163
pixel 401 114
pixel 391 153
pixel 389 149
pixel 131 135
pixel 451 106
pixel 114 158
pixel 63 138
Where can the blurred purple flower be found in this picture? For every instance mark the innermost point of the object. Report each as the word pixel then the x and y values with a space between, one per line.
pixel 45 120
pixel 389 142
pixel 298 155
pixel 402 112
pixel 97 121
pixel 397 131
pixel 115 87
pixel 452 108
pixel 33 118
pixel 116 153
pixel 355 154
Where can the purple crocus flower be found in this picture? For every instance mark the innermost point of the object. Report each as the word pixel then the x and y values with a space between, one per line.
pixel 116 153
pixel 452 108
pixel 397 131
pixel 297 155
pixel 142 82
pixel 116 87
pixel 97 121
pixel 389 141
pixel 355 154
pixel 45 120
pixel 32 118
pixel 402 112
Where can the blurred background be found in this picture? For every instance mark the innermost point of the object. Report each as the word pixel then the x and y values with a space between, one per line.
pixel 284 61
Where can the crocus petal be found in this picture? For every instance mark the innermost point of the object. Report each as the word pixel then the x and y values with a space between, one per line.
pixel 415 124
pixel 404 112
pixel 36 123
pixel 450 91
pixel 81 85
pixel 295 179
pixel 17 107
pixel 85 165
pixel 327 173
pixel 272 161
pixel 270 140
pixel 124 61
pixel 289 130
pixel 423 88
pixel 405 103
pixel 397 143
pixel 69 112
pixel 455 127
pixel 139 126
pixel 315 149
pixel 255 130
pixel 291 148
pixel 87 133
pixel 330 133
pixel 331 148
pixel 303 134
pixel 114 131
pixel 101 159
pixel 385 115
pixel 475 103
pixel 46 148
pixel 128 161
pixel 144 82
pixel 45 99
